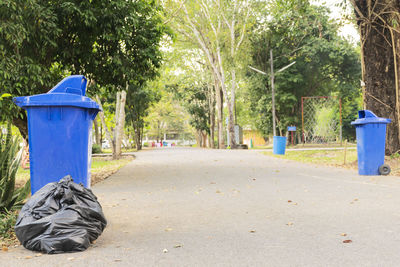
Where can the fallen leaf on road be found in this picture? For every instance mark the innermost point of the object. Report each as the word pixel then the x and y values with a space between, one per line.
pixel 71 258
pixel 254 179
pixel 197 192
pixel 289 201
pixel 168 229
pixel 347 241
pixel 165 250
pixel 252 231
pixel 277 171
pixel 4 248
pixel 117 260
pixel 38 255
pixel 289 223
pixel 343 234
pixel 213 183
pixel 295 203
pixel 28 257
pixel 218 192
pixel 356 199
pixel 178 246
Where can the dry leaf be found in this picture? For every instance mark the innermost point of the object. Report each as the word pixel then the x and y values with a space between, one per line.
pixel 252 231
pixel 117 260
pixel 295 203
pixel 289 223
pixel 38 255
pixel 213 183
pixel 4 248
pixel 28 257
pixel 347 241
pixel 343 234
pixel 178 246
pixel 289 201
pixel 197 193
pixel 218 192
pixel 71 258
pixel 356 199
pixel 168 229
pixel 254 179
pixel 165 250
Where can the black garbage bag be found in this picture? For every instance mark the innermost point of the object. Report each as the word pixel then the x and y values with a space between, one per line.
pixel 61 217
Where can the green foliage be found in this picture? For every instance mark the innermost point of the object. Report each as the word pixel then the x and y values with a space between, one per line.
pixel 10 157
pixel 7 222
pixel 167 116
pixel 323 117
pixel 325 63
pixel 96 149
pixel 113 43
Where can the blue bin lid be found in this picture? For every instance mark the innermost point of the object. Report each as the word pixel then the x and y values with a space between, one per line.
pixel 367 116
pixel 69 92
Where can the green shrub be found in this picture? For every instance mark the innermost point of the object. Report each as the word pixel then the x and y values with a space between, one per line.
pixel 145 144
pixel 7 222
pixel 10 158
pixel 96 149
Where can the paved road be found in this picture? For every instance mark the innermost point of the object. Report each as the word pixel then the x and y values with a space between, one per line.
pixel 194 207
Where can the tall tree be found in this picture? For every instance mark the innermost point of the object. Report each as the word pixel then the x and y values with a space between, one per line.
pixel 325 63
pixel 114 43
pixel 219 28
pixel 379 26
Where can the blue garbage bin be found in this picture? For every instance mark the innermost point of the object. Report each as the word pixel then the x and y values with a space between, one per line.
pixel 371 137
pixel 60 132
pixel 279 145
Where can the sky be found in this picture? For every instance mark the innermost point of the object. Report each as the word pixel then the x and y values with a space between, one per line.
pixel 348 30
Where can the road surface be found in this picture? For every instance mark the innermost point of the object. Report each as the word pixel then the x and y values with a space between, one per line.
pixel 199 207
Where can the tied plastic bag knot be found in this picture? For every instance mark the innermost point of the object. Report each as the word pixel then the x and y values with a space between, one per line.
pixel 61 217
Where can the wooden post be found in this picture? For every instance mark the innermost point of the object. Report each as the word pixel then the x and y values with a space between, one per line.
pixel 345 152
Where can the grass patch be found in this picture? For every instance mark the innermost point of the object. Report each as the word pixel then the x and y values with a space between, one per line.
pixel 7 234
pixel 123 150
pixel 103 166
pixel 325 157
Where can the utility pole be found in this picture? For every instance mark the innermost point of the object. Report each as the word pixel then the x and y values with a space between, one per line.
pixel 273 91
pixel 272 86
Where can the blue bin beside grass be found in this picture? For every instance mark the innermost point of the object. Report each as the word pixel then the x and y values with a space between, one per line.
pixel 279 145
pixel 60 132
pixel 371 137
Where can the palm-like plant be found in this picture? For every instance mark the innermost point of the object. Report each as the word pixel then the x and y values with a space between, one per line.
pixel 10 158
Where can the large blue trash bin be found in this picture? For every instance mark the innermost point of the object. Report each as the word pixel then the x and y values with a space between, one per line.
pixel 371 137
pixel 60 132
pixel 279 145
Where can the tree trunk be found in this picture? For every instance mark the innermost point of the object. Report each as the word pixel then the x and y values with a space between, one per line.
pixel 378 22
pixel 211 104
pixel 220 115
pixel 103 122
pixel 199 138
pixel 22 125
pixel 119 128
pixel 232 112
pixel 96 131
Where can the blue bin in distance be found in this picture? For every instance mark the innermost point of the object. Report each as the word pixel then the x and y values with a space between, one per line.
pixel 60 132
pixel 371 137
pixel 279 145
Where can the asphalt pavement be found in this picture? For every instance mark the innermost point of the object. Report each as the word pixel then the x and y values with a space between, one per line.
pixel 200 207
